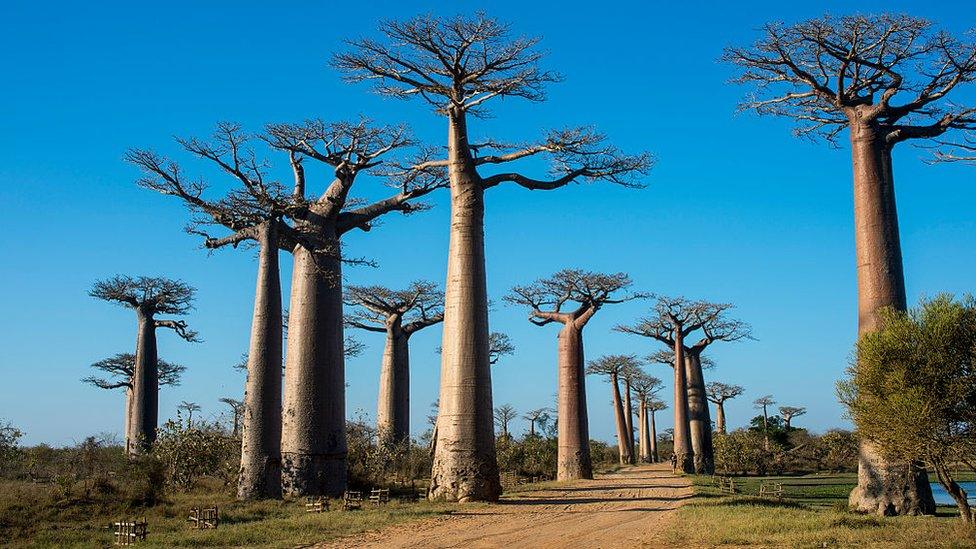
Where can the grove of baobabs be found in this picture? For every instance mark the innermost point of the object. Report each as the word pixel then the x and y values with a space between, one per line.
pixel 754 377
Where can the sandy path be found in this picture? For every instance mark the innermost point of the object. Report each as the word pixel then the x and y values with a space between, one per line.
pixel 629 508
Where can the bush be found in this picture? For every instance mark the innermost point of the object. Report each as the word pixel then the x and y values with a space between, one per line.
pixel 190 453
pixel 741 451
pixel 383 463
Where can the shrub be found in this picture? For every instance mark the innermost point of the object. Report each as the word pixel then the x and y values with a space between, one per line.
pixel 190 453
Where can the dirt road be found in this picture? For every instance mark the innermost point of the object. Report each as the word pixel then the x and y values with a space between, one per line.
pixel 624 509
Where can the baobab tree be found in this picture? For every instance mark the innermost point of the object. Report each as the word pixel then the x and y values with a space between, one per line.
pixel 120 369
pixel 540 416
pixel 790 412
pixel 671 322
pixel 887 79
pixel 458 66
pixel 963 150
pixel 654 405
pixel 399 314
pixel 189 408
pixel 718 393
pixel 763 403
pixel 499 345
pixel 614 367
pixel 148 297
pixel 236 410
pixel 504 414
pixel 646 387
pixel 586 293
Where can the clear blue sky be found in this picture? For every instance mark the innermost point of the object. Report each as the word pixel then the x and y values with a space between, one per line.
pixel 736 210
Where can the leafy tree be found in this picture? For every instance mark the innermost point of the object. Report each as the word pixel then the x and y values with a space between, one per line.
pixel 912 388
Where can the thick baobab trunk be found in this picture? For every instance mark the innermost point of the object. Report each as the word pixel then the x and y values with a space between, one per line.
pixel 618 412
pixel 144 407
pixel 629 421
pixel 654 457
pixel 645 439
pixel 765 429
pixel 573 454
pixel 128 415
pixel 465 467
pixel 682 431
pixel 699 418
pixel 393 404
pixel 313 434
pixel 260 473
pixel 883 487
pixel 720 417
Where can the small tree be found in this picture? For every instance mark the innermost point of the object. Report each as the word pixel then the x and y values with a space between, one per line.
pixel 236 410
pixel 148 297
pixel 788 413
pixel 548 298
pixel 718 393
pixel 763 403
pixel 504 414
pixel 655 405
pixel 912 389
pixel 120 370
pixel 614 366
pixel 399 314
pixel 646 387
pixel 539 416
pixel 189 408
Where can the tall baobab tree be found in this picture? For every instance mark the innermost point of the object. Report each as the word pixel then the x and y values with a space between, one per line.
pixel 790 412
pixel 763 403
pixel 236 410
pixel 312 445
pixel 458 65
pixel 588 292
pixel 654 405
pixel 148 297
pixel 189 408
pixel 718 393
pixel 614 367
pixel 399 314
pixel 886 79
pixel 120 369
pixel 646 387
pixel 504 414
pixel 538 416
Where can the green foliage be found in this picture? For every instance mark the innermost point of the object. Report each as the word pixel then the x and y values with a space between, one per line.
pixel 741 451
pixel 191 452
pixel 9 450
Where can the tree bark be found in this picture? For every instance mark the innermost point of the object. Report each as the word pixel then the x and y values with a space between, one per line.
pixel 260 473
pixel 682 430
pixel 144 409
pixel 654 456
pixel 618 410
pixel 629 420
pixel 645 440
pixel 883 487
pixel 699 419
pixel 128 415
pixel 720 417
pixel 393 404
pixel 573 454
pixel 957 492
pixel 313 438
pixel 465 467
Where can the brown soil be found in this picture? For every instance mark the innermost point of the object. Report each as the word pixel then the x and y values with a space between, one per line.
pixel 628 508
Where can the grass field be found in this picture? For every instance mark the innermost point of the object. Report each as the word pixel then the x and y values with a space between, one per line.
pixel 29 518
pixel 813 513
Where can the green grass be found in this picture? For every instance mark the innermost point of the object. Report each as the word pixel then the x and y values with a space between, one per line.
pixel 30 518
pixel 813 513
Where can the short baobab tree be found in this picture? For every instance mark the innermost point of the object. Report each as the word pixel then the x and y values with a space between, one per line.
pixel 399 314
pixel 539 416
pixel 189 408
pixel 459 65
pixel 887 79
pixel 646 387
pixel 790 412
pixel 571 297
pixel 654 405
pixel 148 297
pixel 236 411
pixel 763 403
pixel 615 367
pixel 504 415
pixel 718 393
pixel 120 370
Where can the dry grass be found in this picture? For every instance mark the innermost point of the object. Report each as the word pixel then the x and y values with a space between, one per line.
pixel 814 514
